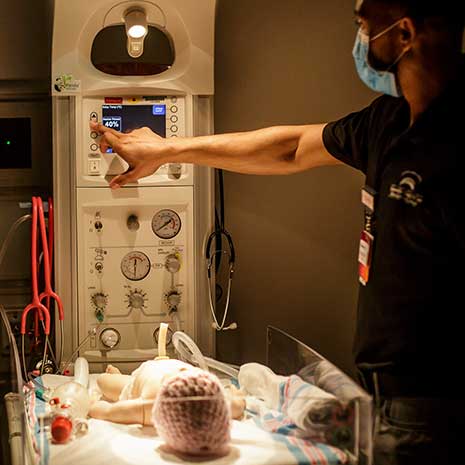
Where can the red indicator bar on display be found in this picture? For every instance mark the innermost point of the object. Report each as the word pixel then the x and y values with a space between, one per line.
pixel 113 99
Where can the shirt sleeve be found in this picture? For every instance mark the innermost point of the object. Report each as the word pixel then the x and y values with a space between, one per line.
pixel 347 139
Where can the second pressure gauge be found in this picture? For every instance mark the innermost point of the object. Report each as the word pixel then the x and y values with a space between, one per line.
pixel 135 266
pixel 166 224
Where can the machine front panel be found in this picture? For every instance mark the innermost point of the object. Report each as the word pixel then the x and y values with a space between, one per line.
pixel 165 116
pixel 135 268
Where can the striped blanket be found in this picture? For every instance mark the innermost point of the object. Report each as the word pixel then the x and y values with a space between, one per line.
pixel 316 430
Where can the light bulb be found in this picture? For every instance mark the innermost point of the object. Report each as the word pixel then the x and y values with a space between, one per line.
pixel 137 31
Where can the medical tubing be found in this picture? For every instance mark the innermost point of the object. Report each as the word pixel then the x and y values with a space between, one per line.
pixel 219 327
pixel 13 348
pixel 223 367
pixel 44 356
pixel 23 358
pixel 93 332
pixel 217 256
pixel 194 354
pixel 35 304
pixel 220 173
pixel 162 340
pixel 220 225
pixel 81 371
pixel 34 381
pixel 10 234
pixel 62 344
pixel 218 239
pixel 176 320
pixel 52 353
pixel 49 292
pixel 51 242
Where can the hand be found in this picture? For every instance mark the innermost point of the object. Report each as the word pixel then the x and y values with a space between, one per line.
pixel 142 149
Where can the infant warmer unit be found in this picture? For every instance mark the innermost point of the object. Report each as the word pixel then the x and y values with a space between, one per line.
pixel 128 259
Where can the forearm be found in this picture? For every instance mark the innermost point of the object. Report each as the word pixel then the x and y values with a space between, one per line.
pixel 274 150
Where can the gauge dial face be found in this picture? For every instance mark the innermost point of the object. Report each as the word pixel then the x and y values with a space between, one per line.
pixel 135 266
pixel 166 224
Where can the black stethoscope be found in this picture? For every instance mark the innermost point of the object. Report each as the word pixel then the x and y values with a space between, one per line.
pixel 216 255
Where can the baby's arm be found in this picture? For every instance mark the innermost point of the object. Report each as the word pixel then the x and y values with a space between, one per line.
pixel 128 412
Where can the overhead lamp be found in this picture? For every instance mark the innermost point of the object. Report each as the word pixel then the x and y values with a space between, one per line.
pixel 135 21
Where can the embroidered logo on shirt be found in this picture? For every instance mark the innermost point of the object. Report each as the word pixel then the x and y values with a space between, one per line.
pixel 405 189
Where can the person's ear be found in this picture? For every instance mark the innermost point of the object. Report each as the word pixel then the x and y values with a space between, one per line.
pixel 408 31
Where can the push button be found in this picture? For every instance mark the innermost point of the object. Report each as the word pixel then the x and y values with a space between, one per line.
pixel 93 167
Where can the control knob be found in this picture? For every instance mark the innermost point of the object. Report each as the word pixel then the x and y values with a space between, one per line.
pixel 173 263
pixel 133 223
pixel 136 299
pixel 99 299
pixel 173 298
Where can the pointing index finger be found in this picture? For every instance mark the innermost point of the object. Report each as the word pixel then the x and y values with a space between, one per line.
pixel 109 138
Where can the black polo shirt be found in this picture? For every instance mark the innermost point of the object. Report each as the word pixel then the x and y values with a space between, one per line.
pixel 410 311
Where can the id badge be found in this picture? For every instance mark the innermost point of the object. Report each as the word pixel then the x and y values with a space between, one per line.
pixel 365 252
pixel 368 198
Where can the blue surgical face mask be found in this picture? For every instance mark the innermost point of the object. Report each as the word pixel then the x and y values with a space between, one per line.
pixel 379 81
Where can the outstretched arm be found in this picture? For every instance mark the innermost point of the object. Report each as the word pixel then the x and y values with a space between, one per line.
pixel 269 151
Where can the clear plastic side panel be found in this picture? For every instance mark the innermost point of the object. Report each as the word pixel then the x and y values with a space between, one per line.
pixel 333 404
pixel 14 400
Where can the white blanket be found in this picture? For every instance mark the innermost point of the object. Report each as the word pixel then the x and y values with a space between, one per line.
pixel 112 444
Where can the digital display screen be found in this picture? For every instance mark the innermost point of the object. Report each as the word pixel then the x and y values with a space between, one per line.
pixel 15 143
pixel 125 118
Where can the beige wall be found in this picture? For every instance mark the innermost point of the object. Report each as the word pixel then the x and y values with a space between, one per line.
pixel 296 237
pixel 25 34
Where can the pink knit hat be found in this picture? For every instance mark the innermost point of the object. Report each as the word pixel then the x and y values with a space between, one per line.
pixel 191 414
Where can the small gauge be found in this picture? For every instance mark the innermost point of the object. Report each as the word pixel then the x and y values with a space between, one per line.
pixel 166 224
pixel 135 266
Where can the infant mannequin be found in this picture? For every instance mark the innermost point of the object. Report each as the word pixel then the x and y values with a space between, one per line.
pixel 129 399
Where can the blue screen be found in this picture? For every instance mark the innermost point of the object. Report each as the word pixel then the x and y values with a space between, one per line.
pixel 126 118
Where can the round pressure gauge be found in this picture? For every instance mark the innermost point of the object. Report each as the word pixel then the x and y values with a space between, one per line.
pixel 135 266
pixel 166 224
pixel 110 338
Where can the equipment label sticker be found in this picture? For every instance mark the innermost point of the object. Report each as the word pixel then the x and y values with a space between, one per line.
pixel 66 84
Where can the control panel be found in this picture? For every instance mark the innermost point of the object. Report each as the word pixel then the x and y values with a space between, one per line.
pixel 165 116
pixel 135 269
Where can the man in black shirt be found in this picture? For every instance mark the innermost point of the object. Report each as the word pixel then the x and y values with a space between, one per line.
pixel 408 142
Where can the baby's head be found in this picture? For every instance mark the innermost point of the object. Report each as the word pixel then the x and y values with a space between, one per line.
pixel 191 413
